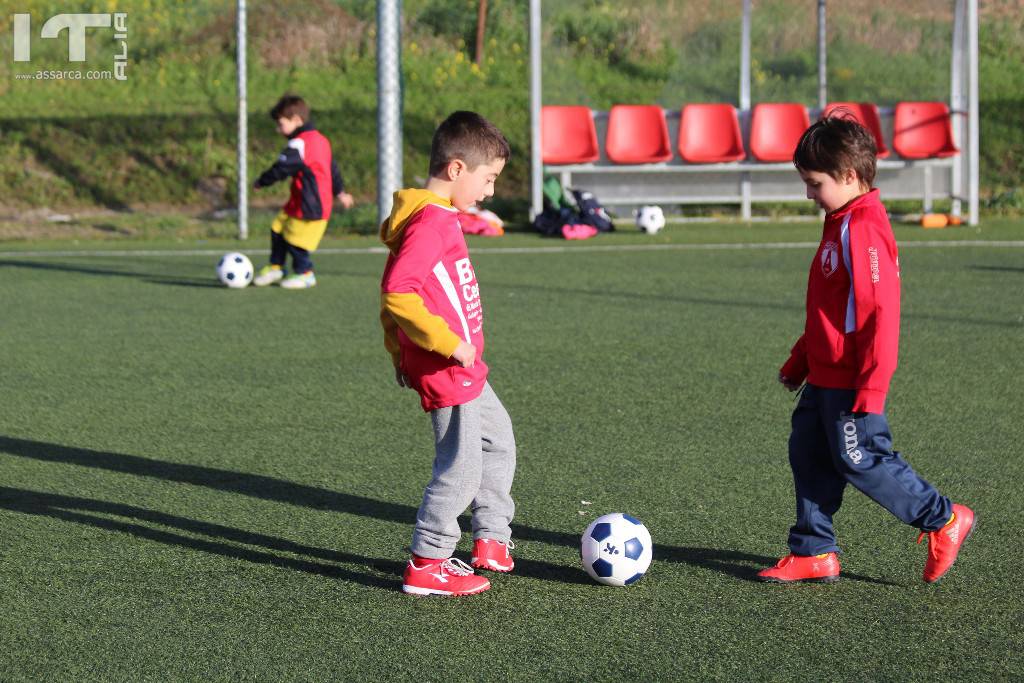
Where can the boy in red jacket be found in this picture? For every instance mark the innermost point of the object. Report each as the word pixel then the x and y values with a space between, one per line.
pixel 433 328
pixel 316 182
pixel 846 356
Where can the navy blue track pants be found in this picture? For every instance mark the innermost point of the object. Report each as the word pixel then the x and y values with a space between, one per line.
pixel 279 250
pixel 829 448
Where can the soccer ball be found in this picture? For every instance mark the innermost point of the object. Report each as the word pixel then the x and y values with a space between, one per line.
pixel 616 549
pixel 650 219
pixel 234 270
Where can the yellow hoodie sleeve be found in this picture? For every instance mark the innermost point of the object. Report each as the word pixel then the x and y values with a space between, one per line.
pixel 426 330
pixel 391 337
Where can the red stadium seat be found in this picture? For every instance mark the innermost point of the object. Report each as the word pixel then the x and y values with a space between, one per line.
pixel 866 114
pixel 922 130
pixel 568 135
pixel 637 134
pixel 775 129
pixel 710 134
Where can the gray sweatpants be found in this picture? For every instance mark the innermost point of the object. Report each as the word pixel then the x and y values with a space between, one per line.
pixel 474 462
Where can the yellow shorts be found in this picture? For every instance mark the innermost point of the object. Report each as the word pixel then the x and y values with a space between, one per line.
pixel 302 234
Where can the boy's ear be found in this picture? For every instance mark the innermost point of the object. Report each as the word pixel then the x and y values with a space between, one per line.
pixel 456 167
pixel 850 177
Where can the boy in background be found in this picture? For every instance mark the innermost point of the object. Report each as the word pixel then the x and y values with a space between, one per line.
pixel 847 355
pixel 433 328
pixel 299 227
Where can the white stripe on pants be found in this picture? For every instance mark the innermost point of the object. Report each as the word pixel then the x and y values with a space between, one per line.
pixel 474 463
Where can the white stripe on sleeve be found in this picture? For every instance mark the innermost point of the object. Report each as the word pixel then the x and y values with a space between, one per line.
pixel 851 309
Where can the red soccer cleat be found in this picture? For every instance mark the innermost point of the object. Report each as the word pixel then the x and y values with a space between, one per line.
pixel 944 543
pixel 441 577
pixel 793 568
pixel 493 555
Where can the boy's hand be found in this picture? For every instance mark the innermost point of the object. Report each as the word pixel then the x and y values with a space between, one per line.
pixel 788 383
pixel 402 378
pixel 346 200
pixel 465 354
pixel 255 186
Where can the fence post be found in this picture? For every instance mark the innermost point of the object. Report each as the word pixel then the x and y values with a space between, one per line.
pixel 537 163
pixel 243 129
pixel 389 104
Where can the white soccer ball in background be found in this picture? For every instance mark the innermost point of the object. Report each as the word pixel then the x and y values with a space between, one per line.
pixel 616 549
pixel 234 270
pixel 650 219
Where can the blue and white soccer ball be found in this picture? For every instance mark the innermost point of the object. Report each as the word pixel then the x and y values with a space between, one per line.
pixel 650 219
pixel 234 270
pixel 616 549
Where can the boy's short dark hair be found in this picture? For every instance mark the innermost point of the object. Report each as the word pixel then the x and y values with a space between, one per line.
pixel 467 136
pixel 289 106
pixel 837 143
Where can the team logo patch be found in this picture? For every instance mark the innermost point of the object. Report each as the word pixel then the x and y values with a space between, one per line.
pixel 851 441
pixel 829 258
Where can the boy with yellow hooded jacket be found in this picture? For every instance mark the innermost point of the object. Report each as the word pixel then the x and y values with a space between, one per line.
pixel 433 328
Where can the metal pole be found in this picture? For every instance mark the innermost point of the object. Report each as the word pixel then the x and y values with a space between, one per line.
pixel 973 124
pixel 536 162
pixel 822 57
pixel 958 104
pixel 745 59
pixel 744 113
pixel 389 104
pixel 243 130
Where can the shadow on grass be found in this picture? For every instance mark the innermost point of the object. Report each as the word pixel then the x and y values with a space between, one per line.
pixel 89 270
pixel 737 564
pixel 702 301
pixel 152 278
pixel 729 562
pixel 649 296
pixel 85 511
pixel 119 160
pixel 999 269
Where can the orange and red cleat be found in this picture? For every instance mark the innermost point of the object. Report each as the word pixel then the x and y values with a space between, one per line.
pixel 793 568
pixel 944 544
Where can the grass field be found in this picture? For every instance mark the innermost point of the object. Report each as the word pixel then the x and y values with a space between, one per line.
pixel 203 484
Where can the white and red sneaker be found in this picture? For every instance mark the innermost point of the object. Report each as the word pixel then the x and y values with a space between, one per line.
pixel 493 555
pixel 441 577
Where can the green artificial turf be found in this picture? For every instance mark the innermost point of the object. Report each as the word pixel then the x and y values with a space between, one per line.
pixel 204 484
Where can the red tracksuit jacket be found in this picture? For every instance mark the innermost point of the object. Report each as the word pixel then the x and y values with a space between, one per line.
pixel 851 335
pixel 307 160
